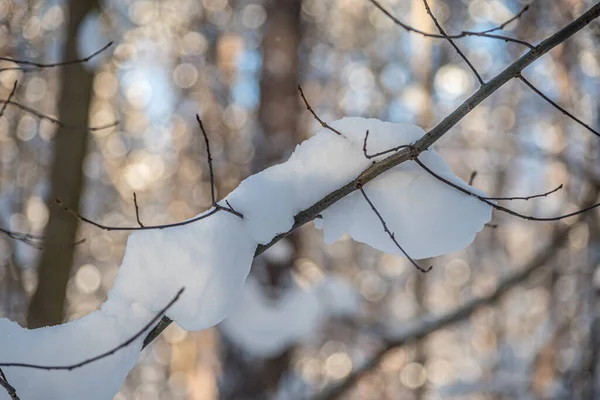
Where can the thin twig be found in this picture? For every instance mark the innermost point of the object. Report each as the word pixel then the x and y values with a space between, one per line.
pixel 460 53
pixel 391 234
pixel 381 153
pixel 501 208
pixel 461 35
pixel 35 241
pixel 10 96
pixel 53 120
pixel 105 354
pixel 555 105
pixel 314 114
pixel 526 198
pixel 137 210
pixel 209 157
pixel 428 139
pixel 58 64
pixel 472 178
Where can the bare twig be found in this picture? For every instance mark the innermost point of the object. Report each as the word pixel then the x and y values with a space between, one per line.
pixel 526 198
pixel 216 207
pixel 137 210
pixel 381 153
pixel 555 105
pixel 36 65
pixel 508 21
pixel 314 114
pixel 209 157
pixel 463 34
pixel 428 139
pixel 472 178
pixel 473 174
pixel 10 96
pixel 105 354
pixel 12 392
pixel 35 241
pixel 460 53
pixel 391 234
pixel 501 208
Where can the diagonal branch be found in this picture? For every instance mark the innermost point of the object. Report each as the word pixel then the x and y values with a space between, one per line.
pixel 555 105
pixel 427 140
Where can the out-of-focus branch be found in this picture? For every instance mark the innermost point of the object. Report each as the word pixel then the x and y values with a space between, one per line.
pixel 426 326
pixel 555 105
pixel 427 140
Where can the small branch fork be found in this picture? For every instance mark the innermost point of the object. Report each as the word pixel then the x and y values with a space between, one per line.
pixel 463 34
pixel 110 352
pixel 216 207
pixel 36 66
pixel 381 153
pixel 314 114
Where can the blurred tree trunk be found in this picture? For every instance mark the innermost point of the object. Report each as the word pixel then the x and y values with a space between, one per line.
pixel 278 115
pixel 47 304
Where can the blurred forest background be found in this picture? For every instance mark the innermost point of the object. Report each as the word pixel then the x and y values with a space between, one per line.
pixel 311 313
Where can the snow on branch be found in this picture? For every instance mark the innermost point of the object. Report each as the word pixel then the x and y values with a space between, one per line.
pixel 325 176
pixel 426 325
pixel 421 145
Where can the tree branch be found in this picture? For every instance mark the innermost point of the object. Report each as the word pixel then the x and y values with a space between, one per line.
pixel 428 139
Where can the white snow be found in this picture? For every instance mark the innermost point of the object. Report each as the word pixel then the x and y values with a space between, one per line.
pixel 211 258
pixel 71 343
